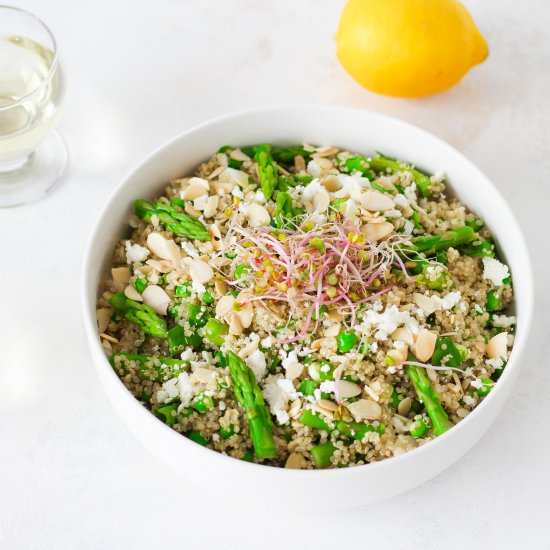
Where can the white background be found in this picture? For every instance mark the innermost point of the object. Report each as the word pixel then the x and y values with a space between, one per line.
pixel 71 475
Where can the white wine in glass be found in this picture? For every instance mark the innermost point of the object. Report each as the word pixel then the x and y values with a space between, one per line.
pixel 32 156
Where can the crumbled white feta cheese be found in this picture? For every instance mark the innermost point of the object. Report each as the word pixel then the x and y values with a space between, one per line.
pixel 169 391
pixel 384 323
pixel 198 288
pixel 259 197
pixel 267 342
pixel 189 249
pixel 277 391
pixel 311 189
pixel 256 361
pixel 495 271
pixel 476 383
pixel 351 187
pixel 448 301
pixel 327 386
pixel 188 355
pixel 185 388
pixel 401 200
pixel 410 192
pixel 496 363
pixel 135 253
pixel 408 227
pixel 314 169
pixel 469 401
pixel 237 192
pixel 503 321
pixel 351 208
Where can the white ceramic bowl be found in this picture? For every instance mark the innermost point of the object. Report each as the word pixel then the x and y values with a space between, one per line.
pixel 359 131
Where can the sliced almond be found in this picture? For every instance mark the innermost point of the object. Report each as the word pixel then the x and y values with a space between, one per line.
pixel 225 306
pixel 299 163
pixel 249 349
pixel 203 376
pixel 166 249
pixel 215 237
pixel 321 201
pixel 333 330
pixel 220 287
pixel 403 334
pixel 331 183
pixel 133 294
pixel 245 315
pixel 208 205
pixel 237 154
pixel 155 297
pixel 235 326
pixel 365 409
pixel 399 355
pixel 425 345
pixel 376 231
pixel 404 406
pixel 257 215
pixel 327 405
pixel 348 389
pixel 121 274
pixel 425 303
pixel 162 266
pixel 497 347
pixel 375 201
pixel 295 461
pixel 293 371
pixel 188 207
pixel 110 338
pixel 103 316
pixel 223 187
pixel 197 187
pixel 237 177
pixel 200 272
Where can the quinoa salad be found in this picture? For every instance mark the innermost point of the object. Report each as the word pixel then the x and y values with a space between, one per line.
pixel 307 307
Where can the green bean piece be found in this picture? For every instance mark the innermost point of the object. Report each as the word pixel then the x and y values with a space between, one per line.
pixel 215 331
pixel 167 413
pixel 196 315
pixel 430 244
pixel 173 220
pixel 358 430
pixel 479 248
pixel 197 437
pixel 419 428
pixel 476 224
pixel 250 398
pixel 141 315
pixel 493 302
pixel 346 341
pixel 322 454
pixel 360 164
pixel 267 170
pixel 316 421
pixel 429 397
pixel 396 398
pixel 140 284
pixel 207 298
pixel 448 353
pixel 486 388
pixel 203 403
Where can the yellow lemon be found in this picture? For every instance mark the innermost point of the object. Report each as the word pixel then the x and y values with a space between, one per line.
pixel 408 48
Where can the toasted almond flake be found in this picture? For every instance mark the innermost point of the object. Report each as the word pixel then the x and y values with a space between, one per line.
pixel 399 355
pixel 295 408
pixel 332 330
pixel 403 334
pixel 462 412
pixel 164 248
pixel 376 201
pixel 155 297
pixel 292 292
pixel 328 414
pixel 245 315
pixel 162 266
pixel 110 338
pixel 235 326
pixel 293 371
pixel 200 271
pixel 386 182
pixel 188 207
pixel 249 349
pixel 225 306
pixel 216 172
pixel 223 187
pixel 145 269
pixel 257 215
pixel 196 187
pixel 365 409
pixel 237 154
pixel 425 345
pixel 133 294
pixel 405 406
pixel 103 316
pixel 295 461
pixel 121 274
pixel 299 163
pixel 335 316
pixel 432 375
pixel 377 231
pixel 215 237
pixel 220 287
pixel 331 183
pixel 371 392
pixel 203 376
pixel 348 389
pixel 425 303
pixel 327 405
pixel 237 177
pixel 497 347
pixel 321 201
pixel 211 206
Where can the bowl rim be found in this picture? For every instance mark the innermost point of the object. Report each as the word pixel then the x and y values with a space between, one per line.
pixel 261 469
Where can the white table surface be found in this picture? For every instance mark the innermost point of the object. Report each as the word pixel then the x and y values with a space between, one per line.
pixel 71 475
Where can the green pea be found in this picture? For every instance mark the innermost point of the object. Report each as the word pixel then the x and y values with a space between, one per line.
pixel 419 428
pixel 197 437
pixel 486 388
pixel 184 290
pixel 227 433
pixel 241 270
pixel 203 403
pixel 141 284
pixel 215 331
pixel 307 387
pixel 207 298
pixel 346 341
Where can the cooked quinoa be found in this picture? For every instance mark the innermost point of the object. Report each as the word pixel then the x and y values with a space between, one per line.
pixel 307 307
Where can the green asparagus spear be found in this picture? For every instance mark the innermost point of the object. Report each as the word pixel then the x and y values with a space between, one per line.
pixel 357 430
pixel 141 315
pixel 316 421
pixel 430 244
pixel 156 369
pixel 479 248
pixel 286 155
pixel 267 170
pixel 175 221
pixel 250 398
pixel 429 397
pixel 448 353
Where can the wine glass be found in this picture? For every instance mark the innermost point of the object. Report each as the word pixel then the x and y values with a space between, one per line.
pixel 33 156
